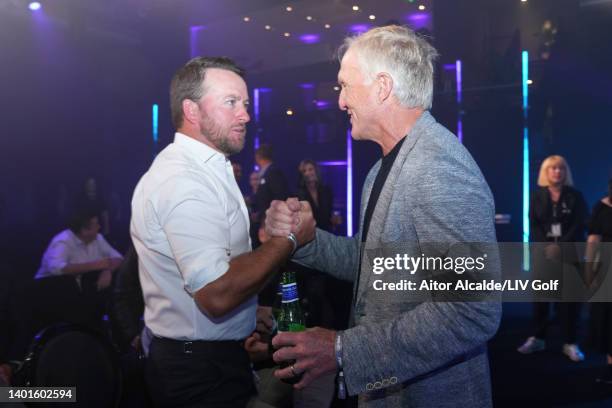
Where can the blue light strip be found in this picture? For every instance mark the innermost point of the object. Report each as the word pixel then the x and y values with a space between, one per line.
pixel 525 88
pixel 459 100
pixel 155 123
pixel 349 184
pixel 256 113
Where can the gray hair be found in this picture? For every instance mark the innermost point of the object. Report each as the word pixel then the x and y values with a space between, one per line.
pixel 404 55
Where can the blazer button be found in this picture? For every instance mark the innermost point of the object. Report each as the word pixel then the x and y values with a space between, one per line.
pixel 369 386
pixel 393 380
pixel 386 382
pixel 377 385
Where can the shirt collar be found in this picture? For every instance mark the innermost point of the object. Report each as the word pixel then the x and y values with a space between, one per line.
pixel 201 150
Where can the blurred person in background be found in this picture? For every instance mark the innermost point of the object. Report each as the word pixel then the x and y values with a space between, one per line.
pixel 557 215
pixel 598 260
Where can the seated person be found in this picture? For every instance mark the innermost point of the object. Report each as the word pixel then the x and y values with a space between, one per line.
pixel 80 249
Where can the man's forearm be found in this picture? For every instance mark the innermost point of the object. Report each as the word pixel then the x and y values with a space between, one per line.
pixel 79 268
pixel 246 276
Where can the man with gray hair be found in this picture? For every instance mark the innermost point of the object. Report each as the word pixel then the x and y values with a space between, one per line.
pixel 425 192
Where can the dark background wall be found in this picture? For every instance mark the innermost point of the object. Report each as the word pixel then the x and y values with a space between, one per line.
pixel 76 102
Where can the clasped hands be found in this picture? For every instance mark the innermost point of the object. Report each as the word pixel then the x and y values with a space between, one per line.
pixel 291 216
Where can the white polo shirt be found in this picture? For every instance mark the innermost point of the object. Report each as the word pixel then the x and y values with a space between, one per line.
pixel 188 221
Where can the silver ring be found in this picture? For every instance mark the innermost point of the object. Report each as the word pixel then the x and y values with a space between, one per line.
pixel 293 370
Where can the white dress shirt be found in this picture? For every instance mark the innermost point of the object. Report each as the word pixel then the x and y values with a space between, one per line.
pixel 66 248
pixel 188 221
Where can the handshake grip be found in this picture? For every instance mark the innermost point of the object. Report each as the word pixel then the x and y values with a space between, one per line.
pixel 291 217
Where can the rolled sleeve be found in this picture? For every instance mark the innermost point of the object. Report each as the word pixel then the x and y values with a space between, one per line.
pixel 198 233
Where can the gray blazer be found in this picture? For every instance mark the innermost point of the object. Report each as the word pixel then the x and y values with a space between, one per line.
pixel 401 352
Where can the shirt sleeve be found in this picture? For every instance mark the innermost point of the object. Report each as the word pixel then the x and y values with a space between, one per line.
pixel 107 250
pixel 55 258
pixel 198 232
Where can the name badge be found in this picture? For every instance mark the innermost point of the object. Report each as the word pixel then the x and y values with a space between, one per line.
pixel 555 230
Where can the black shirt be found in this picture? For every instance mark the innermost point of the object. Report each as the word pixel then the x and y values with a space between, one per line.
pixel 381 178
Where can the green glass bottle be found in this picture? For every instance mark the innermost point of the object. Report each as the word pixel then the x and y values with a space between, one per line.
pixel 290 318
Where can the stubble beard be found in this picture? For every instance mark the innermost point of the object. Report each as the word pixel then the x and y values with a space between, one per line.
pixel 220 138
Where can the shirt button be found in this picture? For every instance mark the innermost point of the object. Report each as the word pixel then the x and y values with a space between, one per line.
pixel 393 380
pixel 377 385
pixel 385 382
pixel 369 386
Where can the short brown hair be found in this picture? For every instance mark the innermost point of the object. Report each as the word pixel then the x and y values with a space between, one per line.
pixel 187 82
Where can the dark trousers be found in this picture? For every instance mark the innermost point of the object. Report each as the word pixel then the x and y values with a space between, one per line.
pixel 215 374
pixel 568 317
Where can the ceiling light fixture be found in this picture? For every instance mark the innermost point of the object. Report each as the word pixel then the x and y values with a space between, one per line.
pixel 372 17
pixel 289 112
pixel 247 19
pixel 327 26
pixel 421 7
pixel 267 27
pixel 289 8
pixel 309 18
pixel 34 6
pixel 287 34
pixel 355 8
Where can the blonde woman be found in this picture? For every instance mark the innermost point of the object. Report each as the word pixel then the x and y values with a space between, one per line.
pixel 557 215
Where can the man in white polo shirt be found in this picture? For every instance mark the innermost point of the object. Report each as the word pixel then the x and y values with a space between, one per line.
pixel 190 227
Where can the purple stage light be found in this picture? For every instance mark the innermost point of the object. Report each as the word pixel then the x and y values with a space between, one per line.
pixel 359 28
pixel 322 104
pixel 418 20
pixel 307 85
pixel 193 39
pixel 34 6
pixel 417 17
pixel 332 163
pixel 310 38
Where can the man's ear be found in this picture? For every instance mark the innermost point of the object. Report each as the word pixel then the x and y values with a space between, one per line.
pixel 190 111
pixel 385 86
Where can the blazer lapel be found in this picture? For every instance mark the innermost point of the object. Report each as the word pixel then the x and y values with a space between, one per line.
pixel 379 216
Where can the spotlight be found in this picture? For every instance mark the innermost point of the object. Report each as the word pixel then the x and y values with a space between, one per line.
pixel 289 8
pixel 247 19
pixel 529 82
pixel 336 88
pixel 287 34
pixel 372 17
pixel 289 112
pixel 355 8
pixel 34 6
pixel 309 18
pixel 327 26
pixel 421 7
pixel 267 27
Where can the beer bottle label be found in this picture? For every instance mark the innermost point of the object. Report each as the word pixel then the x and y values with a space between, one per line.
pixel 290 292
